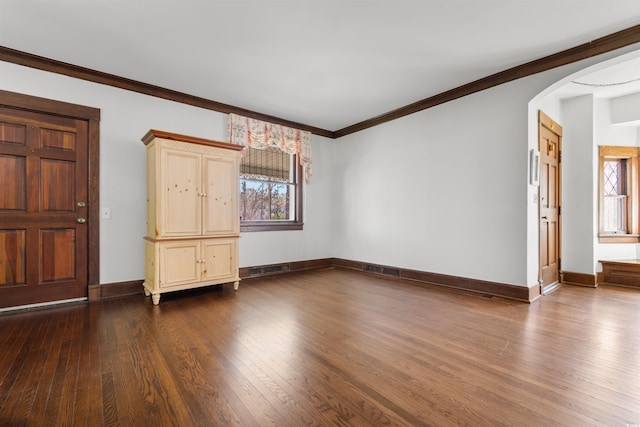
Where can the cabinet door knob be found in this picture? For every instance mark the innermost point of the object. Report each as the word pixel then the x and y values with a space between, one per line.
pixel 81 220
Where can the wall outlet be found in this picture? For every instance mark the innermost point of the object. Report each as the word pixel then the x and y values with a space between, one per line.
pixel 106 213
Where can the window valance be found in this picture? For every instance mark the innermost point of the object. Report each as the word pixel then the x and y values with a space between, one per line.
pixel 261 135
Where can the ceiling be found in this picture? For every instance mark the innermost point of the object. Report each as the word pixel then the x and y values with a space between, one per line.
pixel 613 81
pixel 322 63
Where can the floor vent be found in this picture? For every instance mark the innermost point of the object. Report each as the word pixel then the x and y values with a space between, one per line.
pixel 370 268
pixel 271 269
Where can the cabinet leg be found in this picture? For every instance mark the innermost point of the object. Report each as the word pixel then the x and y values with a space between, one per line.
pixel 236 285
pixel 146 292
pixel 155 298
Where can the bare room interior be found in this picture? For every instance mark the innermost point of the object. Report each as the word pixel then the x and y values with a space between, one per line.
pixel 287 213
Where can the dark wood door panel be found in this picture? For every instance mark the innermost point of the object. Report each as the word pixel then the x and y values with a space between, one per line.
pixel 57 255
pixel 43 166
pixel 13 256
pixel 13 133
pixel 54 175
pixel 13 174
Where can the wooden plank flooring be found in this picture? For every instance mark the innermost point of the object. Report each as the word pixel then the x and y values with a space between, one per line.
pixel 328 347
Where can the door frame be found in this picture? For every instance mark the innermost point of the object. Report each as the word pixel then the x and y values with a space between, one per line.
pixel 92 117
pixel 545 121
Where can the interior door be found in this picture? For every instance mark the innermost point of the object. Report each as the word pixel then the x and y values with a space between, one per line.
pixel 550 140
pixel 43 207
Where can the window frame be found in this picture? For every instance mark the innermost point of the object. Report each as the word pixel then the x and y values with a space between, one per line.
pixel 281 225
pixel 632 184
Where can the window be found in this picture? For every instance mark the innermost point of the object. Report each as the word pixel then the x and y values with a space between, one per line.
pixel 270 190
pixel 619 196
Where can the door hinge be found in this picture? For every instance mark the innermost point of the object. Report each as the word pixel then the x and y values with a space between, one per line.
pixel 559 156
pixel 559 210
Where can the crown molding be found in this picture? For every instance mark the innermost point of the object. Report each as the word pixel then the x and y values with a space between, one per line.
pixel 595 47
pixel 54 66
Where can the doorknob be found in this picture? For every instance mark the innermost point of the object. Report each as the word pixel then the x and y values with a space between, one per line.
pixel 81 204
pixel 81 220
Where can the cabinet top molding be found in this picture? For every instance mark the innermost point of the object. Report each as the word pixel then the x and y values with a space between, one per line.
pixel 153 133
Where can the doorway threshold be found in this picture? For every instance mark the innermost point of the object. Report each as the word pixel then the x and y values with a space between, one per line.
pixel 40 305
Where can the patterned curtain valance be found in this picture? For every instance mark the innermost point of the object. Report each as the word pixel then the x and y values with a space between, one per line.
pixel 261 135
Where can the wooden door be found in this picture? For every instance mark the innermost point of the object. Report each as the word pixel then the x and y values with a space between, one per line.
pixel 550 140
pixel 43 207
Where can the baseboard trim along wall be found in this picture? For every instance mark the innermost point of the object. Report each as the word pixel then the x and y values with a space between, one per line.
pixel 483 287
pixel 115 290
pixel 285 267
pixel 519 293
pixel 621 273
pixel 580 279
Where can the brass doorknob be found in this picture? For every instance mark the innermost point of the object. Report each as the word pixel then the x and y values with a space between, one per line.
pixel 81 220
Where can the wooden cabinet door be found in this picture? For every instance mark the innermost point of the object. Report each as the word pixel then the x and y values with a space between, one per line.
pixel 219 256
pixel 220 207
pixel 179 263
pixel 180 194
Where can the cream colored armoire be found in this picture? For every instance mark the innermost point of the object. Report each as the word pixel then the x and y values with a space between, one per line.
pixel 193 222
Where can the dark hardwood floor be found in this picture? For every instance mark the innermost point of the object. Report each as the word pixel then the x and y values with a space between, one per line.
pixel 326 348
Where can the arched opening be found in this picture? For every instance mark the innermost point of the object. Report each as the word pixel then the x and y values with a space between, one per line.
pixel 587 105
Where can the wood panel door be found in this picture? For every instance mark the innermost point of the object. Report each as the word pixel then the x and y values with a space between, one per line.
pixel 43 207
pixel 220 260
pixel 550 140
pixel 220 204
pixel 180 263
pixel 180 176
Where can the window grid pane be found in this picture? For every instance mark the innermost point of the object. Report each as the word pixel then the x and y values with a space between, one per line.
pixel 267 186
pixel 612 177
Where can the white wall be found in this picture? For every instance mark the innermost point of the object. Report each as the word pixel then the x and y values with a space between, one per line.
pixel 579 207
pixel 125 117
pixel 625 109
pixel 442 190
